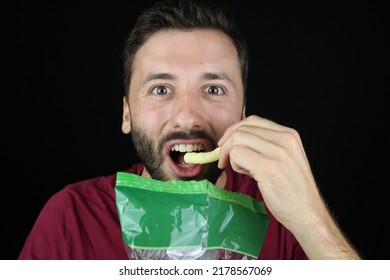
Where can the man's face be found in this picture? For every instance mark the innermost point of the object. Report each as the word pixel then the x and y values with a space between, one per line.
pixel 185 91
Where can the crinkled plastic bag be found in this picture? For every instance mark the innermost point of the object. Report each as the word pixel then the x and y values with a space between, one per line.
pixel 187 220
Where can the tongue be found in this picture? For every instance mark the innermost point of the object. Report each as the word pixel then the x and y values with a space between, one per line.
pixel 180 158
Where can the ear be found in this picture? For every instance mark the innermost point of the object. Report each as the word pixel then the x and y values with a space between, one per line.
pixel 126 127
pixel 243 116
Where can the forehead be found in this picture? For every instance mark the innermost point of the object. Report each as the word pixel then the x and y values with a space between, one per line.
pixel 200 47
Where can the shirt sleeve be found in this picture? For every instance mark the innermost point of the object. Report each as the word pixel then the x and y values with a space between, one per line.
pixel 298 253
pixel 48 237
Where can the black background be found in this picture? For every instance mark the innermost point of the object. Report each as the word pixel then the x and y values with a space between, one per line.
pixel 321 69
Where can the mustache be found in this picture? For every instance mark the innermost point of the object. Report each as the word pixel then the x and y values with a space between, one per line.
pixel 188 135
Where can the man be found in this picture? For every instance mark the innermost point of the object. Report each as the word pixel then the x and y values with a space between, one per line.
pixel 185 70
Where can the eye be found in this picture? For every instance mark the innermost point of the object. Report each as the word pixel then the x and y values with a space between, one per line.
pixel 215 90
pixel 161 90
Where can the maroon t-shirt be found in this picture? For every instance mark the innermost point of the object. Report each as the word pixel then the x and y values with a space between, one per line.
pixel 81 222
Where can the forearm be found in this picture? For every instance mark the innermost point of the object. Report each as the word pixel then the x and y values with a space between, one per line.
pixel 322 239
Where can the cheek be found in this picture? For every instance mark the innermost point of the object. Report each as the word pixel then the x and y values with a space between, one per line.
pixel 149 117
pixel 224 118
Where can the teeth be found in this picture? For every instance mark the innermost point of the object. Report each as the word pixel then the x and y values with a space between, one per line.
pixel 187 148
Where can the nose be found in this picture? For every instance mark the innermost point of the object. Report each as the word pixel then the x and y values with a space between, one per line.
pixel 188 112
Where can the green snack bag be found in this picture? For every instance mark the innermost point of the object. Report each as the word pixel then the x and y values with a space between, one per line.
pixel 187 220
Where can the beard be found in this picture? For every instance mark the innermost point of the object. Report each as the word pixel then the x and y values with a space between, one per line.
pixel 152 154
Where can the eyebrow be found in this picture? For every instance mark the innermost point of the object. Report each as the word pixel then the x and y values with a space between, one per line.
pixel 217 76
pixel 159 76
pixel 205 76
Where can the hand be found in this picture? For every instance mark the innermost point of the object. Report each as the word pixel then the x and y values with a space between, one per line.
pixel 274 156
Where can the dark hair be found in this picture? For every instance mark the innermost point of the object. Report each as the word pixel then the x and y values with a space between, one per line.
pixel 183 15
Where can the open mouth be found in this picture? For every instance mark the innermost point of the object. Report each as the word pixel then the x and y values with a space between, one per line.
pixel 179 150
pixel 176 161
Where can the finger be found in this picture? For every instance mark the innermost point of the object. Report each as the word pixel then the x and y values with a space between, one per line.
pixel 265 133
pixel 252 121
pixel 280 135
pixel 251 139
pixel 246 161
